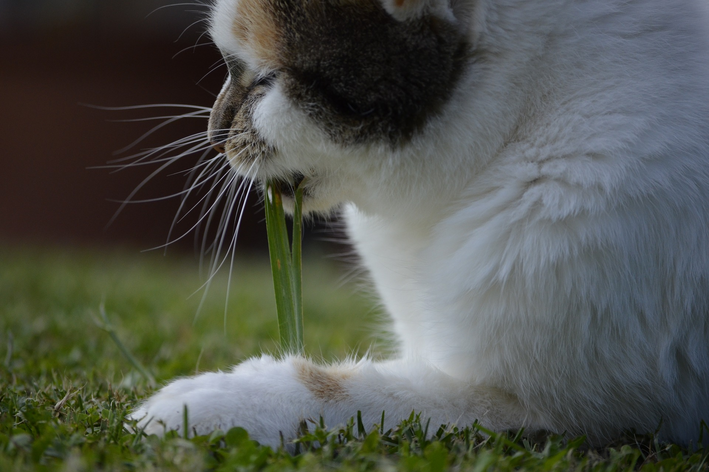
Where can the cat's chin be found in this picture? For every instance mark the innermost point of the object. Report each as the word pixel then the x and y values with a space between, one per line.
pixel 315 199
pixel 288 186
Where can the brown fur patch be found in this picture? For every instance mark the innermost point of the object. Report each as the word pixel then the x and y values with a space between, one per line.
pixel 255 26
pixel 326 383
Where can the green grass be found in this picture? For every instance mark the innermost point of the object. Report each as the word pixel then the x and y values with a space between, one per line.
pixel 65 387
pixel 286 267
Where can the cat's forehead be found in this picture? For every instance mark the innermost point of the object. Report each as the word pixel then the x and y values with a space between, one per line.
pixel 254 30
pixel 221 28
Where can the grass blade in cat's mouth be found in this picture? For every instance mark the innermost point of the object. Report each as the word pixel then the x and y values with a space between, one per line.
pixel 287 187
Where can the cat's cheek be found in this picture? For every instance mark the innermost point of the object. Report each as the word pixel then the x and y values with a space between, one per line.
pixel 300 148
pixel 282 124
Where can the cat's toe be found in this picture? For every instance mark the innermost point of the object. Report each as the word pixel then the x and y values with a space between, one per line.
pixel 261 395
pixel 196 405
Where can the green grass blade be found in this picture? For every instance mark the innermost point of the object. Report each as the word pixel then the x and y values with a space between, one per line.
pixel 287 302
pixel 297 264
pixel 106 326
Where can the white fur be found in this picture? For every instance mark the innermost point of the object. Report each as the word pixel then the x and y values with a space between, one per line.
pixel 542 246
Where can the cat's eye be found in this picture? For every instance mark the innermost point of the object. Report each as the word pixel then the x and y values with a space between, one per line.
pixel 264 80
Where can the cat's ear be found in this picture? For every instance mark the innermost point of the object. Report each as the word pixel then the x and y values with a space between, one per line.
pixel 454 10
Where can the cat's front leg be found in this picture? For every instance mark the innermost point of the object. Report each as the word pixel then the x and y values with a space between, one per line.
pixel 270 398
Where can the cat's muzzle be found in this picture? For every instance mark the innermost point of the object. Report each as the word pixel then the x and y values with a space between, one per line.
pixel 231 131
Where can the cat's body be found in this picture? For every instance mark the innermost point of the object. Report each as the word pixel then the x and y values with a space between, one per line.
pixel 536 221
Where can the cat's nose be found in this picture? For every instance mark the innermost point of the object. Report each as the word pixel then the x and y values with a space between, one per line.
pixel 218 135
pixel 221 118
pixel 219 146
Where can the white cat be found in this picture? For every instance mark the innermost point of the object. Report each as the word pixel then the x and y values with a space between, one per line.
pixel 527 182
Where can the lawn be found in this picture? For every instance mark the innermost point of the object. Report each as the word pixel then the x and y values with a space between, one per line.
pixel 65 386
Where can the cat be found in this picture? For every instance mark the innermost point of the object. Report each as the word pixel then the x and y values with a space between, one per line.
pixel 527 183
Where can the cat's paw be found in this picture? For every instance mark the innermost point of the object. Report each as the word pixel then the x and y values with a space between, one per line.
pixel 262 395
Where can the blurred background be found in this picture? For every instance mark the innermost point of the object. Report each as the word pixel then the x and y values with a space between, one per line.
pixel 62 59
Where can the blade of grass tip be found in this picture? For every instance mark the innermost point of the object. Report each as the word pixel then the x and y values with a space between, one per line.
pixel 185 424
pixel 360 425
pixel 297 265
pixel 281 271
pixel 10 349
pixel 136 364
pixel 140 433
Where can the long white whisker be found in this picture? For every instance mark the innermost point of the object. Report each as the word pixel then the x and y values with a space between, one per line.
pixel 225 186
pixel 142 107
pixel 155 155
pixel 213 246
pixel 214 269
pixel 202 136
pixel 184 192
pixel 201 20
pixel 221 231
pixel 199 115
pixel 224 222
pixel 170 240
pixel 138 187
pixel 196 4
pixel 215 67
pixel 208 223
pixel 232 248
pixel 193 47
pixel 200 146
pixel 141 158
pixel 153 130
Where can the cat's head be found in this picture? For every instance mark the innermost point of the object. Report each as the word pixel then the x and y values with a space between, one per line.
pixel 324 89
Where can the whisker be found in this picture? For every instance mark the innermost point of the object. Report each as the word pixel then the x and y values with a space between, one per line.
pixel 163 117
pixel 226 185
pixel 140 186
pixel 193 47
pixel 176 219
pixel 153 130
pixel 199 38
pixel 141 107
pixel 184 192
pixel 201 20
pixel 216 66
pixel 158 152
pixel 221 231
pixel 197 146
pixel 155 155
pixel 232 249
pixel 239 202
pixel 193 4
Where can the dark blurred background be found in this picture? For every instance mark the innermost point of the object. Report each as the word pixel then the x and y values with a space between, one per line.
pixel 58 58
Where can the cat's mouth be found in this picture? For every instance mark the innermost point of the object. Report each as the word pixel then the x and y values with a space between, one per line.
pixel 287 187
